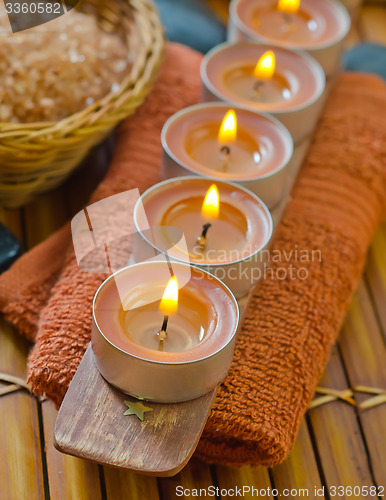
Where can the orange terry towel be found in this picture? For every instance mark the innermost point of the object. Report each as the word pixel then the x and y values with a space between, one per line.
pixel 290 325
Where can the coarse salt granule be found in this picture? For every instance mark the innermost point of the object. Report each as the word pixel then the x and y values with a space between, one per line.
pixel 58 69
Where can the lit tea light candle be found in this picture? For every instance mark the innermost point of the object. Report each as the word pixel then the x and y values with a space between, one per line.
pixel 261 83
pixel 212 140
pixel 317 26
pixel 185 358
pixel 226 228
pixel 288 84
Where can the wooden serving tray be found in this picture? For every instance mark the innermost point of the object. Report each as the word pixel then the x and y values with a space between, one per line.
pixel 91 423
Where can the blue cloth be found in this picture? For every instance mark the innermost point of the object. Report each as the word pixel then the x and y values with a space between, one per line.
pixel 192 23
pixel 367 57
pixel 9 248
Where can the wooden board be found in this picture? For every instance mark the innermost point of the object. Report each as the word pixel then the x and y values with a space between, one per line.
pixel 91 424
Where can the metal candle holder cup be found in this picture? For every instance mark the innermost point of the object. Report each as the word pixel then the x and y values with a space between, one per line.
pixel 327 50
pixel 270 177
pixel 304 76
pixel 244 266
pixel 165 377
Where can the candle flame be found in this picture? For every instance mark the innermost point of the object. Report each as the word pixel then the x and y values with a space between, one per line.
pixel 290 6
pixel 210 207
pixel 228 128
pixel 169 301
pixel 265 67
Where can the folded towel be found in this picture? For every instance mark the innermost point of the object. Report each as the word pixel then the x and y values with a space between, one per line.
pixel 290 325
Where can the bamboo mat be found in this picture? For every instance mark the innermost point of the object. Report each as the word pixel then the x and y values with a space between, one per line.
pixel 338 444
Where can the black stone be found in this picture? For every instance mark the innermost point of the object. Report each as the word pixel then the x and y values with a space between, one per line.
pixel 10 248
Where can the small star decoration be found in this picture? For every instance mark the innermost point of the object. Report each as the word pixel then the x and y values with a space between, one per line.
pixel 137 409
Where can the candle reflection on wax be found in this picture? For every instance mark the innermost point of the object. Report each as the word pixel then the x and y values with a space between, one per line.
pixel 294 18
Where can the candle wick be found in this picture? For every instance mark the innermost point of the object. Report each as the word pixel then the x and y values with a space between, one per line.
pixel 165 324
pixel 163 334
pixel 201 240
pixel 205 228
pixel 257 86
pixel 225 152
pixel 290 25
pixel 287 18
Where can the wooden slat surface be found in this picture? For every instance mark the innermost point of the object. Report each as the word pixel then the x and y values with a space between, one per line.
pixel 258 478
pixel 21 469
pixel 196 475
pixel 300 469
pixel 376 275
pixel 363 351
pixel 371 24
pixel 68 477
pixel 337 434
pixel 120 484
pixel 21 472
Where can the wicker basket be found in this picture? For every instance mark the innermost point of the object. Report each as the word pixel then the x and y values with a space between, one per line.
pixel 36 157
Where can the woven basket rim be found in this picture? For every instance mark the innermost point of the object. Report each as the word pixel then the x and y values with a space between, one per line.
pixel 128 87
pixel 39 156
